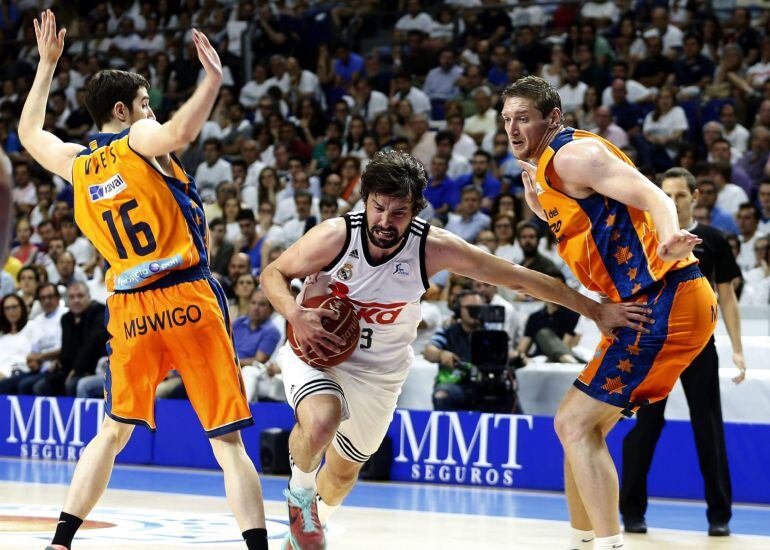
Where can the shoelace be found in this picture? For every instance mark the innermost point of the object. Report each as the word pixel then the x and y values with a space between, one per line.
pixel 304 503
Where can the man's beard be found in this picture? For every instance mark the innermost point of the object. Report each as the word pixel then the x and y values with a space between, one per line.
pixel 380 242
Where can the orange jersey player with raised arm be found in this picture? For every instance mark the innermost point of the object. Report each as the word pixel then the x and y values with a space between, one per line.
pixel 619 234
pixel 140 209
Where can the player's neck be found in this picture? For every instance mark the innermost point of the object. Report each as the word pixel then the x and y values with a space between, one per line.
pixel 113 127
pixel 376 253
pixel 548 137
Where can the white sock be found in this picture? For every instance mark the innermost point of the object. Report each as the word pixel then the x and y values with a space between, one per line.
pixel 300 479
pixel 608 543
pixel 581 540
pixel 325 510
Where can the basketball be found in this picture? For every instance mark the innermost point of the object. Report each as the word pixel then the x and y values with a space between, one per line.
pixel 345 326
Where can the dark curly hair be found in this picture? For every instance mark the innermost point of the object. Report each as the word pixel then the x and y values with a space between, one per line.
pixel 395 174
pixel 5 324
pixel 106 88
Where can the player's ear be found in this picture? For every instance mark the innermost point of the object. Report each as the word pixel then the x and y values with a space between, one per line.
pixel 121 112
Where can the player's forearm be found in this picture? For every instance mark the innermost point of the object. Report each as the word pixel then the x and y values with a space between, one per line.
pixel 6 208
pixel 33 113
pixel 728 303
pixel 550 289
pixel 275 285
pixel 193 114
pixel 662 210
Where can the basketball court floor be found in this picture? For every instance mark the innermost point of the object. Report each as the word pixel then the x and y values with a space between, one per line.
pixel 149 508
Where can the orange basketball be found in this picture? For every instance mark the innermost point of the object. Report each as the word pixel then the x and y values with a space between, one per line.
pixel 345 326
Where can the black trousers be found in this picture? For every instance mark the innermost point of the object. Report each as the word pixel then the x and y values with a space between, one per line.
pixel 700 382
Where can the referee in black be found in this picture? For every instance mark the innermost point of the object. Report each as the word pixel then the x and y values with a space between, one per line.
pixel 700 382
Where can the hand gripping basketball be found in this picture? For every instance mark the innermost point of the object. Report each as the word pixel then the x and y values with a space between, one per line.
pixel 325 333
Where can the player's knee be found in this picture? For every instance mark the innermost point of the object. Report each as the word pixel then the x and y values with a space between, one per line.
pixel 567 427
pixel 343 478
pixel 117 434
pixel 319 430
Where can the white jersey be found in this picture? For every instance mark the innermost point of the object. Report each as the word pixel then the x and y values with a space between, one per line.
pixel 385 293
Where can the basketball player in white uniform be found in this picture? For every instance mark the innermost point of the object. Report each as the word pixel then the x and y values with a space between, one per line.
pixel 380 260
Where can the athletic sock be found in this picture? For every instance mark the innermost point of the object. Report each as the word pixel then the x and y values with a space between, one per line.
pixel 300 479
pixel 608 543
pixel 325 510
pixel 256 539
pixel 66 529
pixel 581 540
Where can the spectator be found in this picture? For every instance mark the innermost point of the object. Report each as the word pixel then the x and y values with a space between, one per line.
pixel 573 91
pixel 748 222
pixel 729 195
pixel 553 72
pixel 28 278
pixel 721 151
pixel 66 272
pixel 414 20
pixel 491 297
pixel 670 34
pixel 528 238
pixel 424 140
pixel 481 178
pixel 440 185
pixel 14 341
pixel 755 160
pixel 304 219
pixel 627 115
pixel 26 252
pixel 607 129
pixel 734 132
pixel 83 341
pixel 44 207
pixel 552 331
pixel 24 197
pixel 441 81
pixel 255 335
pixel 212 170
pixel 503 227
pixel 663 129
pixel 287 209
pixel 369 102
pixel 497 75
pixel 403 89
pixel 252 243
pixel 45 334
pixel 329 207
pixel 220 250
pixel 469 220
pixel 450 347
pixel 763 194
pixel 758 73
pixel 485 119
pixel 80 247
pixel 756 290
pixel 692 68
pixel 239 263
pixel 445 147
pixel 244 286
pixel 347 186
pixel 464 145
pixel 654 69
pixel 718 217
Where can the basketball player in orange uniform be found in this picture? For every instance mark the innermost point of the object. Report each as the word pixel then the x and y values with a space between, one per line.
pixel 620 235
pixel 141 210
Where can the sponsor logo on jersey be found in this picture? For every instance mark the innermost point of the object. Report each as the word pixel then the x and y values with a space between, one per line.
pixel 354 253
pixel 373 313
pixel 345 272
pixel 108 189
pixel 133 277
pixel 402 269
pixel 169 318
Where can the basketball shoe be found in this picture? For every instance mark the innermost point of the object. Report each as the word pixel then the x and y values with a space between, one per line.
pixel 305 530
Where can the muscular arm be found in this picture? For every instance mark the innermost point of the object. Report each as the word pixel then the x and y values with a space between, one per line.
pixel 151 139
pixel 592 168
pixel 447 251
pixel 6 207
pixel 47 149
pixel 311 253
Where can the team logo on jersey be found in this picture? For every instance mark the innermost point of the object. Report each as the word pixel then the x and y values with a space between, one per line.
pixel 402 269
pixel 345 272
pixel 354 253
pixel 108 189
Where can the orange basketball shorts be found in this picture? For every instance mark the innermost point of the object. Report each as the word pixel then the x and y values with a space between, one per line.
pixel 637 369
pixel 174 325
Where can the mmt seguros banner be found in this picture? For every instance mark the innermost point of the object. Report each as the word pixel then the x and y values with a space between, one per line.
pixel 478 449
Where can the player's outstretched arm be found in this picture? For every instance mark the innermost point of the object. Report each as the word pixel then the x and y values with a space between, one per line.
pixel 48 150
pixel 447 251
pixel 310 254
pixel 591 167
pixel 6 206
pixel 151 139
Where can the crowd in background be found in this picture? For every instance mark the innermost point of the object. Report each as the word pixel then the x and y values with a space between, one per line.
pixel 312 90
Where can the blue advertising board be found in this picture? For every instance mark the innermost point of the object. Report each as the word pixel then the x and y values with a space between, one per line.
pixel 482 449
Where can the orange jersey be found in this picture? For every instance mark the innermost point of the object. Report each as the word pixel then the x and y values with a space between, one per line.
pixel 611 247
pixel 145 223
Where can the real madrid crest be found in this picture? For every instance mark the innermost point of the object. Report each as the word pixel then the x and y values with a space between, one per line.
pixel 345 272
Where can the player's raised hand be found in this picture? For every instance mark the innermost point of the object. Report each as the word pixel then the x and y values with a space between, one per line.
pixel 528 177
pixel 207 54
pixel 678 246
pixel 50 43
pixel 631 315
